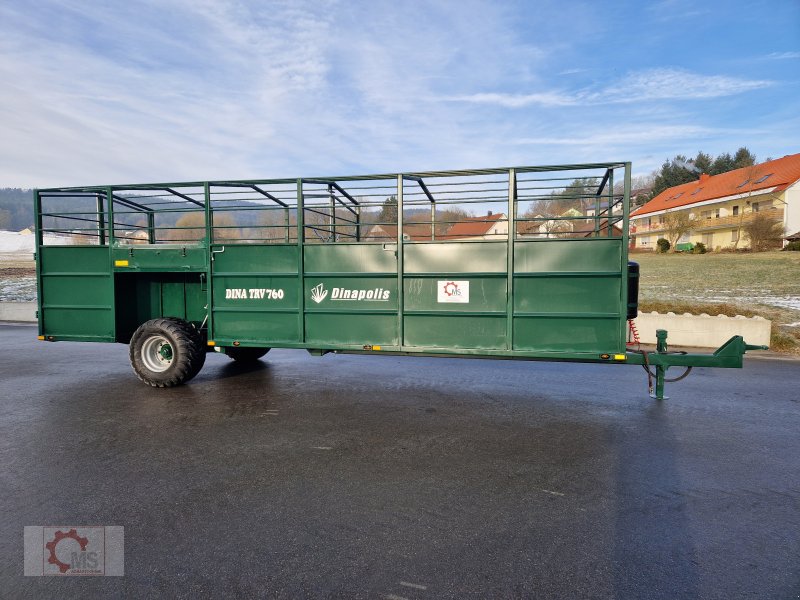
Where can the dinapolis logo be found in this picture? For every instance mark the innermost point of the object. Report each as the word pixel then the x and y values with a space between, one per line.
pixel 319 293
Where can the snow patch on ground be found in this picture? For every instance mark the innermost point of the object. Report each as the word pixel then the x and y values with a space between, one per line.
pixel 18 289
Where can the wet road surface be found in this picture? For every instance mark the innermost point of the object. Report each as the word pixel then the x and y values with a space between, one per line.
pixel 393 477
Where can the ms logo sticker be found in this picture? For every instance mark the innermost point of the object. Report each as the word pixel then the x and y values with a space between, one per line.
pixel 452 291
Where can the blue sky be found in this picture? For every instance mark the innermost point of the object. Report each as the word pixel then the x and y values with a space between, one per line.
pixel 173 90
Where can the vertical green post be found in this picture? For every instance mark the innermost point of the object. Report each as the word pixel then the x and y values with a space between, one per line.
pixel 333 214
pixel 609 220
pixel 110 200
pixel 626 209
pixel 209 261
pixel 301 298
pixel 400 332
pixel 151 227
pixel 101 225
pixel 512 227
pixel 37 207
pixel 110 203
pixel 433 221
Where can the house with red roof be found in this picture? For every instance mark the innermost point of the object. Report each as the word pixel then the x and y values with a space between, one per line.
pixel 719 206
pixel 488 227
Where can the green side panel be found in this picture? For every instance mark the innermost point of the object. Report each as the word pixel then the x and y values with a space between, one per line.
pixel 584 255
pixel 487 294
pixel 455 331
pixel 255 258
pixel 572 294
pixel 351 258
pixel 479 323
pixel 351 310
pixel 257 328
pixel 455 257
pixel 567 296
pixel 255 294
pixel 161 257
pixel 566 335
pixel 347 329
pixel 76 293
pixel 351 294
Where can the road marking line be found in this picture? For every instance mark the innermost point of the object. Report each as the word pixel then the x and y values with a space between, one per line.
pixel 393 597
pixel 416 586
pixel 321 448
pixel 552 492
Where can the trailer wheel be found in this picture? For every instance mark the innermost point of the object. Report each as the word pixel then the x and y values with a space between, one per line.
pixel 245 355
pixel 166 352
pixel 200 344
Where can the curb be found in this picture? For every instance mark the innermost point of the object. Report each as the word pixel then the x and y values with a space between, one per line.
pixel 18 312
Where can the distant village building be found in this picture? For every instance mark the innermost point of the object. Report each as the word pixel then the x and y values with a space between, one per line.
pixel 491 226
pixel 488 227
pixel 720 206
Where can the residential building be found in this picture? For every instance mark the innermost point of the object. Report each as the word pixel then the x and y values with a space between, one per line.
pixel 487 227
pixel 720 206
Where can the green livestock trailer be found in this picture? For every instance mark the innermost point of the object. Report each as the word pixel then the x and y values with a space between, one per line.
pixel 528 263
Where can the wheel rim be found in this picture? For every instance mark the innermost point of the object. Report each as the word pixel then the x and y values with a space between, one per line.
pixel 157 353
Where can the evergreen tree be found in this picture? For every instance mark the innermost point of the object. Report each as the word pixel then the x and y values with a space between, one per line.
pixel 743 158
pixel 722 164
pixel 388 213
pixel 703 162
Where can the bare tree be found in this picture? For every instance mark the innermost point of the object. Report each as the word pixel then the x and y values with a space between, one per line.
pixel 763 232
pixel 676 224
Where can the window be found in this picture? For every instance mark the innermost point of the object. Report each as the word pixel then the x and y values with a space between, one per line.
pixel 763 179
pixel 706 214
pixel 744 183
pixel 645 241
pixel 676 196
pixel 697 191
pixel 735 211
pixel 716 213
pixel 755 206
pixel 735 235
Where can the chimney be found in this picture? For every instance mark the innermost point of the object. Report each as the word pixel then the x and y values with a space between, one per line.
pixel 704 177
pixel 489 214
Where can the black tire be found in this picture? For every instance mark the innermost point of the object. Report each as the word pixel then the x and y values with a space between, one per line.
pixel 200 341
pixel 245 355
pixel 166 352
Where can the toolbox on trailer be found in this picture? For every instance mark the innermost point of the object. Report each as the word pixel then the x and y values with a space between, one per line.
pixel 527 262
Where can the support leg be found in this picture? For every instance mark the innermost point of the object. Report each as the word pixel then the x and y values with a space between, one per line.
pixel 661 371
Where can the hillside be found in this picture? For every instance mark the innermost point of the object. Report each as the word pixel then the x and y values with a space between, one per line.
pixel 16 208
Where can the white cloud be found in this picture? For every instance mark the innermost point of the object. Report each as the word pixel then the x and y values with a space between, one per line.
pixel 641 133
pixel 653 84
pixel 783 55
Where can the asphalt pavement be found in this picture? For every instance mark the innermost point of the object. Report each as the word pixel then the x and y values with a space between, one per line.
pixel 397 477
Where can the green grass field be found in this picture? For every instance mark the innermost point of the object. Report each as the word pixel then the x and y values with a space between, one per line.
pixel 765 284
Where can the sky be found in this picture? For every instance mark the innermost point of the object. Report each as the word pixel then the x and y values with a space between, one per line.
pixel 95 93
